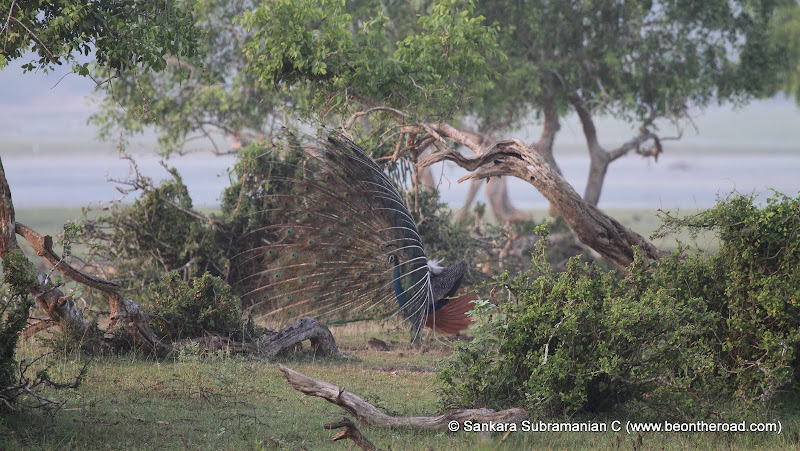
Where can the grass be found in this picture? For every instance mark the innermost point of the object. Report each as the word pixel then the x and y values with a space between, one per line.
pixel 222 401
pixel 225 401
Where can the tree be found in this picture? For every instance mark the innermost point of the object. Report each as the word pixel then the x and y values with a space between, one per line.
pixel 785 38
pixel 124 34
pixel 208 101
pixel 121 34
pixel 639 61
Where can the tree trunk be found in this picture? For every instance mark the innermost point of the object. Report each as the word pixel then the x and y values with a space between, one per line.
pixel 500 203
pixel 600 157
pixel 597 175
pixel 544 146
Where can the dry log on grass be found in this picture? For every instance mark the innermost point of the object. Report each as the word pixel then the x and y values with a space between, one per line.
pixel 371 415
pixel 350 432
pixel 306 328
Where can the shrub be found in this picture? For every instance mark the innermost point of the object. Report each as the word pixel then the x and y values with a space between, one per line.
pixel 688 336
pixel 206 305
pixel 18 275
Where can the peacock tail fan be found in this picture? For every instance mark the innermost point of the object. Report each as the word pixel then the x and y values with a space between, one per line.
pixel 340 244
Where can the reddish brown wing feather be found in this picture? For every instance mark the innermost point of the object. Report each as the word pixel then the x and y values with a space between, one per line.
pixel 453 318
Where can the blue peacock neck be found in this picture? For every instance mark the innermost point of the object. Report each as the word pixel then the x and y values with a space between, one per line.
pixel 398 286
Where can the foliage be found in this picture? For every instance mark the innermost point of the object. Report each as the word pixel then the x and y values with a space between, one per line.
pixel 784 38
pixel 686 337
pixel 18 276
pixel 259 63
pixel 156 235
pixel 207 305
pixel 121 34
pixel 211 94
pixel 315 44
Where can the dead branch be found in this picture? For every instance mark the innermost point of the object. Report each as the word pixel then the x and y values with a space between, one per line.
pixel 594 228
pixel 371 415
pixel 52 300
pixel 350 432
pixel 306 328
pixel 126 310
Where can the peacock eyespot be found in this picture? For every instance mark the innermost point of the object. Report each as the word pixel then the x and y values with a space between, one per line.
pixel 286 204
pixel 289 232
pixel 302 279
pixel 278 275
pixel 330 229
pixel 294 254
pixel 347 195
pixel 316 262
pixel 333 251
pixel 310 216
pixel 346 219
pixel 327 205
pixel 272 252
pixel 311 242
pixel 289 297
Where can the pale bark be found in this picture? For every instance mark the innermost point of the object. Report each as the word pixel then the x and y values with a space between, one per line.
pixel 306 328
pixel 371 415
pixel 600 232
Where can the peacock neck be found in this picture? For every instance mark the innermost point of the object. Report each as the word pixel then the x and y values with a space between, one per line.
pixel 398 286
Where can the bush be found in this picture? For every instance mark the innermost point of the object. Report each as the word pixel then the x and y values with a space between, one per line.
pixel 205 306
pixel 18 275
pixel 687 336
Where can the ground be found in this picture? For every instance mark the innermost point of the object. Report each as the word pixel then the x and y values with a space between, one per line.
pixel 226 401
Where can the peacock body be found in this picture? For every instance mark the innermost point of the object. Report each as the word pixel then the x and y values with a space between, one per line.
pixel 341 246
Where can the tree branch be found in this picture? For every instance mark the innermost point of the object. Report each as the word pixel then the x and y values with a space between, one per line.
pixel 370 414
pixel 602 233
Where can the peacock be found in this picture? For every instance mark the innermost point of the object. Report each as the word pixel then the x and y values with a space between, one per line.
pixel 341 246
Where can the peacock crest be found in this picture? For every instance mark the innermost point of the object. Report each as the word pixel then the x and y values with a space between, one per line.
pixel 341 246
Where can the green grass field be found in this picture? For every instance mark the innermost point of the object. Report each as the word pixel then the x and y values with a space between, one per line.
pixel 232 402
pixel 227 401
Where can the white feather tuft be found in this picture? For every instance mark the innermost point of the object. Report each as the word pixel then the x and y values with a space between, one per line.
pixel 435 267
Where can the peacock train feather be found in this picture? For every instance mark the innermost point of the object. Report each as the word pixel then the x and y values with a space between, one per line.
pixel 341 246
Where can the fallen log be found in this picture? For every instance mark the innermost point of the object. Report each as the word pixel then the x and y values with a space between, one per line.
pixel 371 415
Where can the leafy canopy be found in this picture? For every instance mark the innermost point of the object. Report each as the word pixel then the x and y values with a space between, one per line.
pixel 121 34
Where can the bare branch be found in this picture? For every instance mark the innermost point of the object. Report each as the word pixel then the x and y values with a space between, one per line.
pixel 353 118
pixel 370 414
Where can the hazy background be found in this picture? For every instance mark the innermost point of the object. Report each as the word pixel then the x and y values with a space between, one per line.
pixel 53 158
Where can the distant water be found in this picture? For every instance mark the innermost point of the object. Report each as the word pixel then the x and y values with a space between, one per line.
pixel 632 182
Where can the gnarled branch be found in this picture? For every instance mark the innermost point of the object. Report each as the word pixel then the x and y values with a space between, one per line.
pixel 602 233
pixel 370 414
